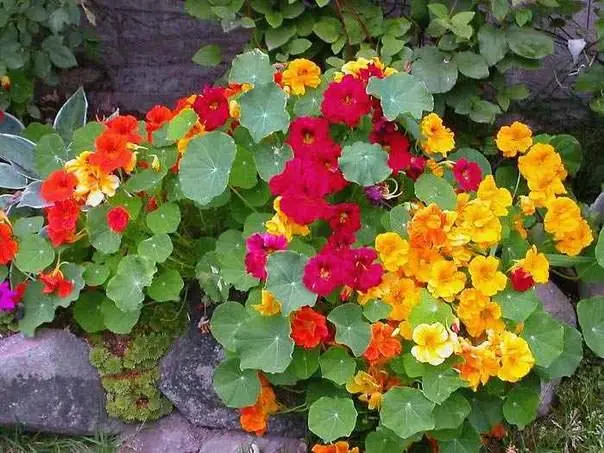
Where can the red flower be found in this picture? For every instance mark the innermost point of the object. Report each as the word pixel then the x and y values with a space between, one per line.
pixel 365 274
pixel 62 221
pixel 345 102
pixel 383 345
pixel 397 146
pixel 308 136
pixel 117 219
pixel 345 218
pixel 467 174
pixel 55 282
pixel 258 247
pixel 416 168
pixel 302 208
pixel 521 280
pixel 309 328
pixel 59 186
pixel 127 126
pixel 156 118
pixel 212 107
pixel 8 245
pixel 324 273
pixel 111 152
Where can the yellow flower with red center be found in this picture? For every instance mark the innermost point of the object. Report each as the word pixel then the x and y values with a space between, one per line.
pixel 282 225
pixel 94 185
pixel 485 275
pixel 516 358
pixel 393 250
pixel 478 313
pixel 369 388
pixel 446 281
pixel 301 73
pixel 536 264
pixel 499 199
pixel 513 139
pixel 437 138
pixel 480 363
pixel 433 343
pixel 269 305
pixel 402 296
pixel 357 67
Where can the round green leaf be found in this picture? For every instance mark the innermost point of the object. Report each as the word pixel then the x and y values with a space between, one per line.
pixel 516 305
pixel 39 308
pixel 305 362
pixel 398 218
pixel 472 65
pixel 243 173
pixel 285 271
pixel 385 441
pixel 365 164
pixel 432 189
pixel 401 93
pixel 34 255
pixel 468 442
pixel 166 286
pixel 529 43
pixel 328 29
pixel 28 225
pixel 101 237
pixel 406 411
pixel 264 344
pixel 251 67
pixel 566 364
pixel 157 248
pixel 591 319
pixel 332 418
pixel 545 336
pixel 116 320
pixel 270 159
pixel 436 69
pixel 440 382
pixel 84 137
pixel 430 310
pixel 337 365
pixel 96 274
pixel 236 388
pixel 520 407
pixel 51 154
pixel 263 111
pixel 126 287
pixel 164 219
pixel 226 321
pixel 310 103
pixel 87 311
pixel 452 412
pixel 205 167
pixel 492 43
pixel 376 310
pixel 351 329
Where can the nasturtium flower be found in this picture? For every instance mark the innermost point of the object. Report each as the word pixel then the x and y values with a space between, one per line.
pixel 345 218
pixel 282 225
pixel 339 447
pixel 127 126
pixel 62 221
pixel 544 172
pixel 573 243
pixel 513 139
pixel 364 274
pixel 309 136
pixel 478 313
pixel 54 282
pixel 516 358
pixel 421 261
pixel 479 364
pixel 435 168
pixel 300 74
pixel 535 264
pixel 467 174
pixel 433 343
pixel 527 206
pixel 563 216
pixel 5 83
pixel 446 281
pixel 156 118
pixel 364 69
pixel 117 219
pixel 93 184
pixel 254 419
pixel 346 102
pixel 369 388
pixel 393 250
pixel 499 199
pixel 402 295
pixel 309 328
pixel 521 280
pixel 8 244
pixel 58 186
pixel 478 223
pixel 383 345
pixel 429 227
pixel 258 247
pixel 268 305
pixel 324 273
pixel 8 298
pixel 112 152
pixel 212 106
pixel 485 275
pixel 436 137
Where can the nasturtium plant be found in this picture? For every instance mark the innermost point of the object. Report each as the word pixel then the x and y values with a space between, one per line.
pixel 370 269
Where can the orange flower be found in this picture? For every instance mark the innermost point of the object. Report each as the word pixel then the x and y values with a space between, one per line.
pixel 156 118
pixel 111 152
pixel 301 73
pixel 8 245
pixel 514 139
pixel 383 345
pixel 429 227
pixel 59 186
pixel 479 364
pixel 309 328
pixel 254 419
pixel 55 282
pixel 339 447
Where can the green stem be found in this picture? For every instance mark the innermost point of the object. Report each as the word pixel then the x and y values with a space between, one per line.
pixel 242 198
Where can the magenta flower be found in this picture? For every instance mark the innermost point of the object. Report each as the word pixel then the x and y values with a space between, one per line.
pixel 8 297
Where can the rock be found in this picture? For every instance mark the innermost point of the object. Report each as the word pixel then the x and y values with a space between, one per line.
pixel 186 380
pixel 547 396
pixel 597 207
pixel 47 384
pixel 556 303
pixel 591 289
pixel 174 434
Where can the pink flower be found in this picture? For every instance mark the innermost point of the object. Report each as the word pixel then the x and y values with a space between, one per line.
pixel 258 247
pixel 8 298
pixel 346 102
pixel 323 274
pixel 366 273
pixel 467 174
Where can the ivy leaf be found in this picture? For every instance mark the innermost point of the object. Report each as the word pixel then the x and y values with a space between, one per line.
pixel 264 344
pixel 440 382
pixel 452 412
pixel 87 311
pixel 305 362
pixel 34 255
pixel 226 321
pixel 520 407
pixel 432 189
pixel 206 166
pixel 566 364
pixel 591 319
pixel 270 159
pixel 236 388
pixel 164 219
pixel 332 418
pixel 516 305
pixel 545 336
pixel 337 365
pixel 351 330
pixel 406 411
pixel 251 67
pixel 118 321
pixel 529 43
pixel 365 164
pixel 166 286
pixel 285 271
pixel 436 69
pixel 263 111
pixel 401 93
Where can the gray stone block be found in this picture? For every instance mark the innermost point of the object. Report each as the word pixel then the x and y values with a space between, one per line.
pixel 556 303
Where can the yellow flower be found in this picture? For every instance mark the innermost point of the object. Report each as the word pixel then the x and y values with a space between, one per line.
pixel 421 261
pixel 437 137
pixel 402 296
pixel 355 67
pixel 5 82
pixel 234 109
pixel 536 264
pixel 527 206
pixel 369 388
pixel 479 363
pixel 544 172
pixel 393 250
pixel 433 343
pixel 280 224
pixel 499 199
pixel 485 276
pixel 516 358
pixel 269 306
pixel 155 164
pixel 435 168
pixel 574 242
pixel 563 216
pixel 445 280
pixel 518 225
pixel 514 139
pixel 479 223
pixel 301 73
pixel 93 184
pixel 478 312
pixel 405 330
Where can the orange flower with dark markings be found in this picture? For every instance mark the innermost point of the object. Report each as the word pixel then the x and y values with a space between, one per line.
pixel 309 328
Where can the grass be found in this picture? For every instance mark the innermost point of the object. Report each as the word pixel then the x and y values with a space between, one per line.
pixel 15 441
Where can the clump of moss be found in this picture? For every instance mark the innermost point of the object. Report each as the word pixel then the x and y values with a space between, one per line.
pixel 8 324
pixel 129 364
